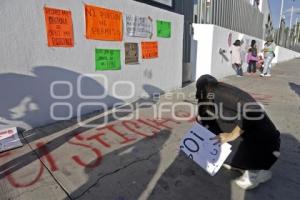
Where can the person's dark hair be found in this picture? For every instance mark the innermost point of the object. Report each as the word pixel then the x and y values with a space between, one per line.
pixel 237 43
pixel 204 85
pixel 253 42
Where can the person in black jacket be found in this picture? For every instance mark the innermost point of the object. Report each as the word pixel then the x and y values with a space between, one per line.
pixel 235 117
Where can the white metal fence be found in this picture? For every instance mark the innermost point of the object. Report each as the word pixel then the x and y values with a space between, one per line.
pixel 288 38
pixel 237 15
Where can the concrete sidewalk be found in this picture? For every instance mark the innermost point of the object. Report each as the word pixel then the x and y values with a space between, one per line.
pixel 137 156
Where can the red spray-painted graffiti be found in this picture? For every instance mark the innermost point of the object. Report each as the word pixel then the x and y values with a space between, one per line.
pixel 42 148
pixel 82 140
pixel 263 98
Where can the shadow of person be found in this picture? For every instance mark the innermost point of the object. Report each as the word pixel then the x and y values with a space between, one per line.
pixel 184 179
pixel 125 172
pixel 29 99
pixel 33 136
pixel 286 174
pixel 295 87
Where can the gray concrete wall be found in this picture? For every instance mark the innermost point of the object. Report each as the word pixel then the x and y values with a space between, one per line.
pixel 28 66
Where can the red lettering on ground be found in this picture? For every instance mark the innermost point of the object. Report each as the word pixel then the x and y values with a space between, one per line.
pixel 148 124
pixel 16 184
pixel 98 138
pixel 2 155
pixel 121 135
pixel 134 126
pixel 42 148
pixel 162 122
pixel 78 160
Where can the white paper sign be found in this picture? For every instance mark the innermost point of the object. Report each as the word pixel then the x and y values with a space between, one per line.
pixel 9 139
pixel 138 26
pixel 197 145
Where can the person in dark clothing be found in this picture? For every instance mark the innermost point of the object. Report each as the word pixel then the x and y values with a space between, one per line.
pixel 235 117
pixel 252 58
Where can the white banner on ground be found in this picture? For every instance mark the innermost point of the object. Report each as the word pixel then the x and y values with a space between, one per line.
pixel 197 145
pixel 138 26
pixel 9 139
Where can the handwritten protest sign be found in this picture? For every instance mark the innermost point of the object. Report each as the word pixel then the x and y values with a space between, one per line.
pixel 149 50
pixel 197 145
pixel 108 59
pixel 9 139
pixel 131 53
pixel 103 24
pixel 59 27
pixel 138 26
pixel 163 29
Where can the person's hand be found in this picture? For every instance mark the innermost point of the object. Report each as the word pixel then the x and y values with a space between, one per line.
pixel 228 137
pixel 223 138
pixel 198 119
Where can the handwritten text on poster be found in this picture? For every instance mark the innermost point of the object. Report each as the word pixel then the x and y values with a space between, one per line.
pixel 103 24
pixel 108 59
pixel 149 50
pixel 59 27
pixel 138 26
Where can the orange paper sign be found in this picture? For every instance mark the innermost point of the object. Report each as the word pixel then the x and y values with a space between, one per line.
pixel 103 24
pixel 59 27
pixel 149 50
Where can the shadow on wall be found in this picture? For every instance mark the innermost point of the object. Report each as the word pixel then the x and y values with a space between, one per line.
pixel 295 87
pixel 27 99
pixel 36 136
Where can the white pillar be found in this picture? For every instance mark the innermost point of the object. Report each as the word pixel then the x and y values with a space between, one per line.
pixel 291 20
pixel 281 12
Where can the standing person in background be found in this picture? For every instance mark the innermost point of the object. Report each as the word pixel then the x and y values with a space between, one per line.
pixel 252 58
pixel 236 59
pixel 269 54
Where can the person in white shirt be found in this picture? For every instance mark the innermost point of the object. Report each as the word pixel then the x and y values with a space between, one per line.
pixel 236 58
pixel 269 55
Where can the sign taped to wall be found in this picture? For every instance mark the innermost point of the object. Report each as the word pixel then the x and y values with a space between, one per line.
pixel 163 29
pixel 197 145
pixel 131 53
pixel 9 139
pixel 107 59
pixel 149 50
pixel 103 24
pixel 59 27
pixel 139 26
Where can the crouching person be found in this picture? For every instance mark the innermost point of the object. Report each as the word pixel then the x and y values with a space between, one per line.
pixel 235 117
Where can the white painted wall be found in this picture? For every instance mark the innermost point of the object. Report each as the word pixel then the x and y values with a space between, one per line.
pixel 28 66
pixel 202 47
pixel 283 54
pixel 209 39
